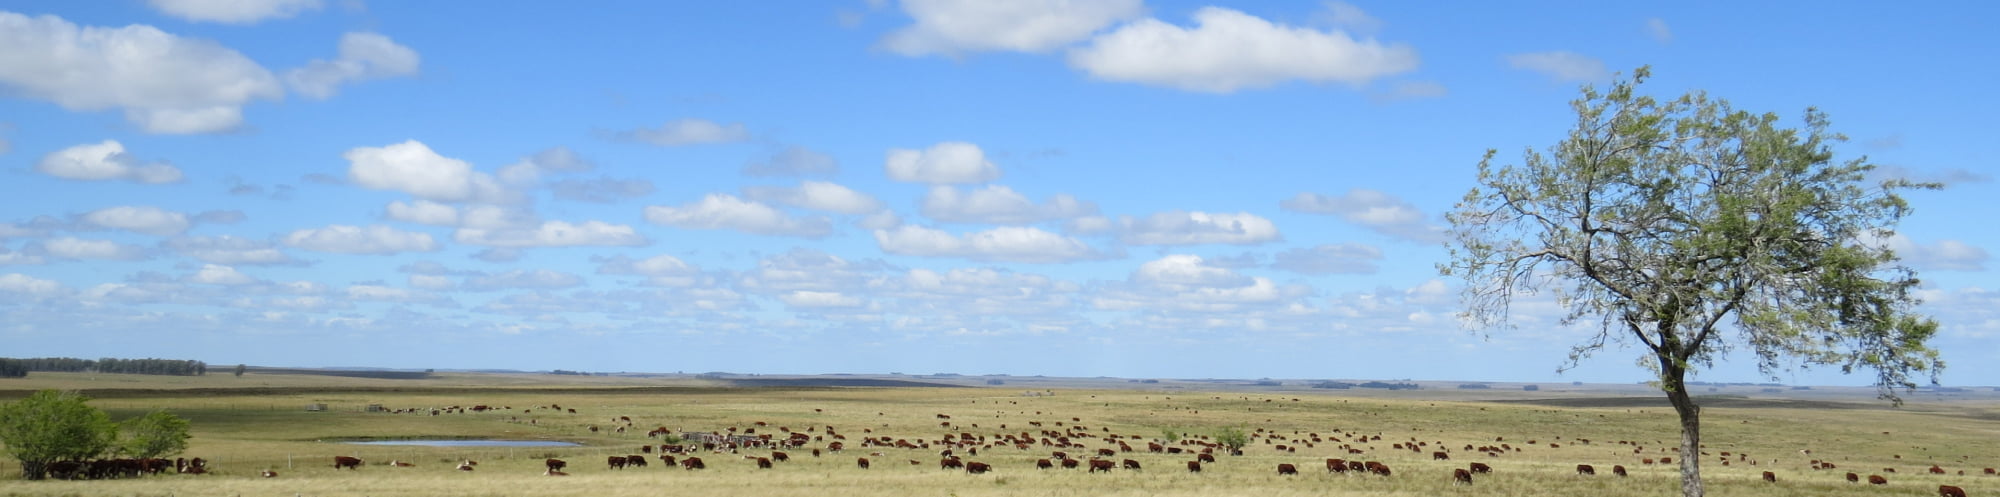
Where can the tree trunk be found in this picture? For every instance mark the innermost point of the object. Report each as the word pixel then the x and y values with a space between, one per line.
pixel 34 470
pixel 1676 387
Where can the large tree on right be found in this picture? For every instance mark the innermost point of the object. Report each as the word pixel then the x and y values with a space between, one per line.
pixel 1695 229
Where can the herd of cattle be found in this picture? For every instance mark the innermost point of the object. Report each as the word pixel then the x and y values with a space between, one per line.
pixel 107 469
pixel 957 445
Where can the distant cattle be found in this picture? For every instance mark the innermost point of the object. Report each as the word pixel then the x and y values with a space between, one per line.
pixel 780 456
pixel 1647 461
pixel 1068 463
pixel 615 462
pixel 1853 478
pixel 861 462
pixel 1097 465
pixel 1440 456
pixel 1950 491
pixel 1376 468
pixel 1287 469
pixel 763 463
pixel 1585 469
pixel 465 466
pixel 976 467
pixel 1936 470
pixel 1877 480
pixel 1357 466
pixel 1480 468
pixel 950 463
pixel 1461 477
pixel 1618 470
pixel 693 463
pixel 401 464
pixel 1770 477
pixel 1666 460
pixel 1131 464
pixel 1989 471
pixel 269 474
pixel 636 461
pixel 1204 457
pixel 1194 466
pixel 668 460
pixel 1044 464
pixel 1336 465
pixel 346 462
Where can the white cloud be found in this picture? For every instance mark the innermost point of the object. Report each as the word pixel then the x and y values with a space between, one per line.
pixel 1195 228
pixel 997 204
pixel 1004 244
pixel 423 212
pixel 807 269
pixel 431 282
pixel 164 83
pixel 811 299
pixel 72 248
pixel 233 11
pixel 231 251
pixel 601 190
pixel 529 170
pixel 379 293
pixel 724 211
pixel 1230 50
pixel 1657 28
pixel 496 217
pixel 883 220
pixel 363 56
pixel 1332 258
pixel 216 274
pixel 687 131
pixel 140 219
pixel 102 161
pixel 554 234
pixel 946 162
pixel 21 283
pixel 523 279
pixel 662 269
pixel 10 258
pixel 412 167
pixel 1562 66
pixel 1352 18
pixel 794 161
pixel 1186 271
pixel 1375 210
pixel 1945 255
pixel 817 195
pixel 346 239
pixel 952 27
pixel 1185 283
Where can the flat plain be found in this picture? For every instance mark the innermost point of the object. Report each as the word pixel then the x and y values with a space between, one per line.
pixel 259 422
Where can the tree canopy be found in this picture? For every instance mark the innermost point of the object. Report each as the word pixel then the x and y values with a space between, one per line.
pixel 51 426
pixel 157 434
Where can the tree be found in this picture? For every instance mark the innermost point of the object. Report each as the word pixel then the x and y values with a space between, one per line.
pixel 157 434
pixel 240 369
pixel 1679 223
pixel 1232 437
pixel 51 426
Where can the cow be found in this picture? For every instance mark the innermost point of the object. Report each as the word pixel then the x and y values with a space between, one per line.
pixel 401 464
pixel 346 462
pixel 780 456
pixel 1440 456
pixel 763 463
pixel 1044 464
pixel 693 463
pixel 1097 465
pixel 1068 463
pixel 951 463
pixel 861 462
pixel 1461 477
pixel 1950 491
pixel 1480 468
pixel 555 464
pixel 1194 466
pixel 1770 477
pixel 269 474
pixel 976 467
pixel 635 461
pixel 1376 468
pixel 1155 447
pixel 615 462
pixel 1205 457
pixel 1647 461
pixel 1936 470
pixel 1287 469
pixel 1357 466
pixel 668 461
pixel 1131 464
pixel 1585 469
pixel 1853 478
pixel 1336 466
pixel 1989 471
pixel 465 466
pixel 1666 460
pixel 1877 480
pixel 1617 469
pixel 1106 452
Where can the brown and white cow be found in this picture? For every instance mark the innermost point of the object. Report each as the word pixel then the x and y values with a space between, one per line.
pixel 1131 464
pixel 693 463
pixel 861 462
pixel 1461 477
pixel 1376 468
pixel 1950 491
pixel 1097 465
pixel 1480 468
pixel 976 467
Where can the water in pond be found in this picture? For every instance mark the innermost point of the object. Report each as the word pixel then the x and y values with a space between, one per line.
pixel 471 443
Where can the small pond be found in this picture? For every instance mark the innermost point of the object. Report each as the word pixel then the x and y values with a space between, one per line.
pixel 471 443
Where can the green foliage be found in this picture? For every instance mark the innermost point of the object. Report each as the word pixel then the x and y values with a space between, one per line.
pixel 1170 435
pixel 1232 437
pixel 240 368
pixel 157 434
pixel 51 426
pixel 13 368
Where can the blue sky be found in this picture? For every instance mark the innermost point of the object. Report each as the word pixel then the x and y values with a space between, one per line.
pixel 1156 189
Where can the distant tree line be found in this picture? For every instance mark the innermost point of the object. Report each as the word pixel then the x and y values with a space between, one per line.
pixel 1342 385
pixel 16 368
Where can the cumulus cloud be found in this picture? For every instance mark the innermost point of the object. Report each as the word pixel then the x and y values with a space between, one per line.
pixel 1561 66
pixel 379 293
pixel 217 274
pixel 601 190
pixel 423 212
pixel 665 270
pixel 1947 177
pixel 724 211
pixel 1230 50
pixel 1186 271
pixel 344 239
pixel 554 234
pixel 687 131
pixel 233 11
pixel 230 250
pixel 412 167
pixel 1196 228
pixel 1185 283
pixel 139 219
pixel 1003 244
pixel 73 248
pixel 1657 28
pixel 24 284
pixel 811 299
pixel 105 161
pixel 163 83
pixel 522 279
pixel 1332 258
pixel 794 161
pixel 1372 209
pixel 996 204
pixel 1351 18
pixel 953 27
pixel 363 56
pixel 817 195
pixel 946 162
pixel 808 269
pixel 1944 255
pixel 529 170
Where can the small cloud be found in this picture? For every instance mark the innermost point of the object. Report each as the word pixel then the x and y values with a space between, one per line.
pixel 1413 90
pixel 794 161
pixel 1657 28
pixel 105 161
pixel 363 56
pixel 1562 66
pixel 1347 16
pixel 687 131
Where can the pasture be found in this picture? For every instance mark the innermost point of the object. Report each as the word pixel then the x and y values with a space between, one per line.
pixel 255 423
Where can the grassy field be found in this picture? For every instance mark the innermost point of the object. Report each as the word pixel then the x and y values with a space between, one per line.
pixel 257 422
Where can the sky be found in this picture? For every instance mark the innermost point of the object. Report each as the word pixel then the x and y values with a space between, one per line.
pixel 1039 187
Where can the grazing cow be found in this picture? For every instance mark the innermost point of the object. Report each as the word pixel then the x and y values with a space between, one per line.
pixel 1618 470
pixel 1357 466
pixel 1440 456
pixel 693 463
pixel 1480 468
pixel 1666 460
pixel 1950 491
pixel 1647 461
pixel 1336 465
pixel 1287 469
pixel 1853 478
pixel 1376 468
pixel 1068 463
pixel 1989 471
pixel 763 463
pixel 976 467
pixel 1155 447
pixel 1205 457
pixel 346 462
pixel 615 462
pixel 1461 477
pixel 1877 480
pixel 1107 452
pixel 635 461
pixel 1585 469
pixel 1770 477
pixel 1936 470
pixel 668 460
pixel 1044 464
pixel 1097 465
pixel 555 464
pixel 1194 466
pixel 861 462
pixel 269 474
pixel 1131 464
pixel 780 456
